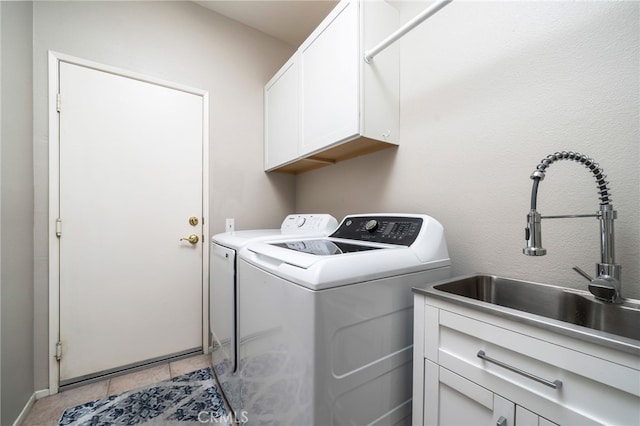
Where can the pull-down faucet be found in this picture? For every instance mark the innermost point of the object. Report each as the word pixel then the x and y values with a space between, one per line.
pixel 606 286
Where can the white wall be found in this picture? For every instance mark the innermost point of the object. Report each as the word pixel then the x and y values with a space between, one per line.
pixel 16 200
pixel 487 90
pixel 1 38
pixel 184 43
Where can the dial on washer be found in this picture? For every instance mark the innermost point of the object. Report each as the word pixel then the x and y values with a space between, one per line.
pixel 371 225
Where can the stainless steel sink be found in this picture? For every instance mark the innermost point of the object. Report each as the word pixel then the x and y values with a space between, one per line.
pixel 574 307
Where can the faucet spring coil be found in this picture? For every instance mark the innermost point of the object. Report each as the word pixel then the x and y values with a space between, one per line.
pixel 601 182
pixel 606 286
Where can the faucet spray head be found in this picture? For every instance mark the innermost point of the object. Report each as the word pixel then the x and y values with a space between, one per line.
pixel 533 235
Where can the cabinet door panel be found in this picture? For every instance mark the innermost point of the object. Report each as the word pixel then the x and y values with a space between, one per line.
pixel 462 402
pixel 544 422
pixel 282 108
pixel 456 408
pixel 504 412
pixel 330 82
pixel 525 417
pixel 472 391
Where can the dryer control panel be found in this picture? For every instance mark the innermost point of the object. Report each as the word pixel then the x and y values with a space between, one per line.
pixel 306 223
pixel 401 230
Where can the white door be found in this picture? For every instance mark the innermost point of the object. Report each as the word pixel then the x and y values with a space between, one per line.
pixel 131 176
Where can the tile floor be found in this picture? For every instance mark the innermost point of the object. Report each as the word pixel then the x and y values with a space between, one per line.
pixel 47 411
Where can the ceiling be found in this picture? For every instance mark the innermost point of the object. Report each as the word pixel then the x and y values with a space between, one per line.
pixel 290 21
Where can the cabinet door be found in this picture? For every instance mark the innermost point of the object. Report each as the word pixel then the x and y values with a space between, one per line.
pixel 525 417
pixel 329 74
pixel 462 402
pixel 281 106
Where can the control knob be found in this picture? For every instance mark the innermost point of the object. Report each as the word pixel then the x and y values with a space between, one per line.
pixel 301 221
pixel 371 225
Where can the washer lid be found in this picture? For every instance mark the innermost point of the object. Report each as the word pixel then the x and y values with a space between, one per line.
pixel 324 247
pixel 376 246
pixel 307 253
pixel 318 272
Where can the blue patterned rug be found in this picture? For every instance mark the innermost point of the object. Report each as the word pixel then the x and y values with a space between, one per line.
pixel 193 397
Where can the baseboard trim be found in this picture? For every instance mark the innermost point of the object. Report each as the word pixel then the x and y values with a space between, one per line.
pixel 42 393
pixel 25 411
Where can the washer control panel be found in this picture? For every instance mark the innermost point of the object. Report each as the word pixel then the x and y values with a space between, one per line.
pixel 402 230
pixel 299 223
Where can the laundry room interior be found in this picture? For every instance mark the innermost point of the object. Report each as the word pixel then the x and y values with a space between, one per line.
pixel 502 113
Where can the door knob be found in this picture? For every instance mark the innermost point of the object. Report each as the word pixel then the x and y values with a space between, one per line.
pixel 193 239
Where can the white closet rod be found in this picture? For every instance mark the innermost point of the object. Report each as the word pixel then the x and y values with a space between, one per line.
pixel 428 12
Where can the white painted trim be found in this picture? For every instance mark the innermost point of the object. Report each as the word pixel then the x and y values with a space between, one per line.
pixel 29 405
pixel 54 212
pixel 42 393
pixel 25 410
pixel 54 200
pixel 0 211
pixel 205 224
pixel 126 73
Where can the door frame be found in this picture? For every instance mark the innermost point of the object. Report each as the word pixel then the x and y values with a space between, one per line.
pixel 54 59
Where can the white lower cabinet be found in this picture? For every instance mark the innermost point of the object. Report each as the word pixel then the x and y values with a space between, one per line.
pixel 461 402
pixel 475 368
pixel 525 417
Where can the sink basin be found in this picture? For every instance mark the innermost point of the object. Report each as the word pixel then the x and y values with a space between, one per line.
pixel 575 307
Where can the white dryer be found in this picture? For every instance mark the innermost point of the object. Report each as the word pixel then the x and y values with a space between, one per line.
pixel 325 325
pixel 223 302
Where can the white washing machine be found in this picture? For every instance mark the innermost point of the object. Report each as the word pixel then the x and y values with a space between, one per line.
pixel 223 302
pixel 325 325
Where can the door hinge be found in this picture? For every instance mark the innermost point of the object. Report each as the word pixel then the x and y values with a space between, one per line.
pixel 58 102
pixel 58 227
pixel 58 351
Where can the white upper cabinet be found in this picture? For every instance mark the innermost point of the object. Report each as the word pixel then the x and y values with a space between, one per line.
pixel 329 60
pixel 345 107
pixel 281 117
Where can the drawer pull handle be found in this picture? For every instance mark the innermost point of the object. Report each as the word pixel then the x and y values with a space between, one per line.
pixel 556 384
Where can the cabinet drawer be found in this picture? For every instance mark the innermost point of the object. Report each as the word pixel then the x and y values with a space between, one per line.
pixel 588 390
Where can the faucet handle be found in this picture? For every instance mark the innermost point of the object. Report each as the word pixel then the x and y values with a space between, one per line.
pixel 583 273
